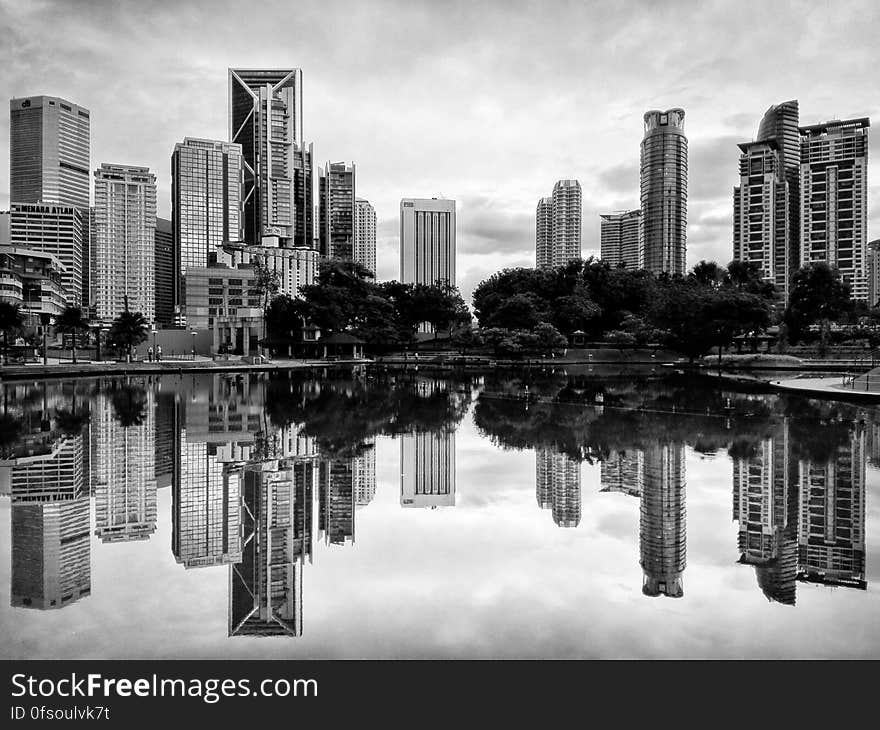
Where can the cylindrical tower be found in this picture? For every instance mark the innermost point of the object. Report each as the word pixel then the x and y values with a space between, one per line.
pixel 663 230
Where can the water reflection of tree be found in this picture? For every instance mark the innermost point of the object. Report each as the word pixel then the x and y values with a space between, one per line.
pixel 129 402
pixel 342 415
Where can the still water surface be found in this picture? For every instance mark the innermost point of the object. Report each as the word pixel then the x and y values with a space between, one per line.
pixel 565 514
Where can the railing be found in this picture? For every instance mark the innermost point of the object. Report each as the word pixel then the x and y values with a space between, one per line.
pixel 862 382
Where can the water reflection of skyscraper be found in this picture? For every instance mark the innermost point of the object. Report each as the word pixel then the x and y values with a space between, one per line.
pixel 802 519
pixel 51 553
pixel 558 486
pixel 427 469
pixel 123 468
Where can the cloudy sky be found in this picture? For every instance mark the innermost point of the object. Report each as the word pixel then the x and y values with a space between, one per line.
pixel 487 103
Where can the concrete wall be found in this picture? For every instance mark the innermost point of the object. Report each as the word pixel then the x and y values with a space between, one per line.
pixel 177 342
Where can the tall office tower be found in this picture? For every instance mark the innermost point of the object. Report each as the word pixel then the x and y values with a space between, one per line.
pixel 163 259
pixel 664 165
pixel 662 527
pixel 544 233
pixel 427 469
pixel 48 152
pixel 364 467
pixel 123 469
pixel 54 229
pixel 338 219
pixel 206 508
pixel 766 203
pixel 365 235
pixel 265 118
pixel 206 204
pixel 305 197
pixel 169 406
pixel 49 163
pixel 623 471
pixel 336 498
pixel 558 486
pixel 620 238
pixel 874 273
pixel 832 516
pixel 834 199
pixel 765 505
pixel 265 588
pixel 124 241
pixel 427 241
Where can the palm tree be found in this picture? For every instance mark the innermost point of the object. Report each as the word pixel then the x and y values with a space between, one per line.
pixel 128 330
pixel 11 319
pixel 72 321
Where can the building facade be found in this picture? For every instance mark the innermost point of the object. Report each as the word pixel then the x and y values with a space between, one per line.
pixel 56 230
pixel 544 233
pixel 338 214
pixel 33 280
pixel 834 199
pixel 874 272
pixel 265 118
pixel 427 469
pixel 427 241
pixel 206 204
pixel 124 241
pixel 619 238
pixel 664 170
pixel 49 140
pixel 558 486
pixel 164 275
pixel 365 235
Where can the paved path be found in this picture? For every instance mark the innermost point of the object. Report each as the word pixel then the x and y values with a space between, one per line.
pixel 830 387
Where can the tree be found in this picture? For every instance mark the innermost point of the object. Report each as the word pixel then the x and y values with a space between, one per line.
pixel 284 321
pixel 466 338
pixel 818 294
pixel 267 282
pixel 72 321
pixel 128 330
pixel 129 402
pixel 548 339
pixel 11 320
pixel 708 273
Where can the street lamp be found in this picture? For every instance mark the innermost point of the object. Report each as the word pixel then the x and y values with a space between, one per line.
pixel 153 329
pixel 193 333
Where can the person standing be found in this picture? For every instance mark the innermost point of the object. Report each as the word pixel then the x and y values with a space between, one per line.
pixel 158 353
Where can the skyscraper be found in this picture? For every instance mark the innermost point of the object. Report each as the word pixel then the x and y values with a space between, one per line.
pixel 558 226
pixel 664 163
pixel 124 241
pixel 265 118
pixel 873 272
pixel 365 235
pixel 662 526
pixel 427 241
pixel 336 500
pixel 620 238
pixel 544 233
pixel 834 199
pixel 163 259
pixel 336 201
pixel 48 151
pixel 427 469
pixel 206 203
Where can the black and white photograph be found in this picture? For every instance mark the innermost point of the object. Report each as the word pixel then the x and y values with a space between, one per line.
pixel 384 330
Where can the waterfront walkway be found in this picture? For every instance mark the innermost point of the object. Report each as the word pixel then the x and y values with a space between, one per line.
pixel 68 369
pixel 863 387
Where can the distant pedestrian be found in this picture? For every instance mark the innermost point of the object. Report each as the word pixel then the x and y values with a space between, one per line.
pixel 159 353
pixel 150 353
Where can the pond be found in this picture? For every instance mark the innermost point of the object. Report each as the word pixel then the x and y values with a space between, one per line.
pixel 569 514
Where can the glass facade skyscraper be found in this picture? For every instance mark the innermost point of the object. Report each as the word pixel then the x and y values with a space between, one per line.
pixel 337 224
pixel 664 168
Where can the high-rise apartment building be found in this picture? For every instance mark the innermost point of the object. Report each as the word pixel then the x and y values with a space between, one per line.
pixel 57 230
pixel 206 204
pixel 558 225
pixel 427 469
pixel 164 276
pixel 365 235
pixel 624 472
pixel 338 217
pixel 664 167
pixel 48 152
pixel 662 526
pixel 427 241
pixel 124 241
pixel 265 118
pixel 619 238
pixel 364 468
pixel 336 501
pixel 834 199
pixel 544 233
